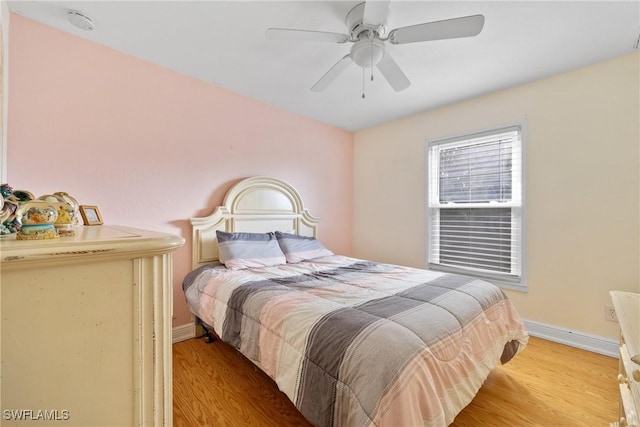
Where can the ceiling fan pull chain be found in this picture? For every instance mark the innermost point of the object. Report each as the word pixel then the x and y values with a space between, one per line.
pixel 371 59
pixel 363 83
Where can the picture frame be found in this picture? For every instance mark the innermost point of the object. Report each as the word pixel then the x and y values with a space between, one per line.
pixel 90 215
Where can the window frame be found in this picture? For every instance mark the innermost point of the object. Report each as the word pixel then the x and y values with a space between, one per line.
pixel 517 202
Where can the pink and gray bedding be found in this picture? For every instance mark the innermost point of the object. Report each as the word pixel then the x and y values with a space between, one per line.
pixel 358 343
pixel 300 248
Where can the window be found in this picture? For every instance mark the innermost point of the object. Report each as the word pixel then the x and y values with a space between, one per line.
pixel 475 205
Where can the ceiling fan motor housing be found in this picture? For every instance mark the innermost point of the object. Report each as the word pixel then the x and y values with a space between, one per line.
pixel 356 26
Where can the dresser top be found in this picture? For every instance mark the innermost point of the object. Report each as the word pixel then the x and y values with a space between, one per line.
pixel 102 240
pixel 627 306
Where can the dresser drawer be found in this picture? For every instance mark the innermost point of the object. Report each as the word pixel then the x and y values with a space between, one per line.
pixel 629 379
pixel 628 415
pixel 627 307
pixel 629 387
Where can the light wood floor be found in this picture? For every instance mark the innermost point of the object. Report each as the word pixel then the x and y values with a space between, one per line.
pixel 548 384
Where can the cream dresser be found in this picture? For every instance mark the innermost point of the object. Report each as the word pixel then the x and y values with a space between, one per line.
pixel 627 307
pixel 86 329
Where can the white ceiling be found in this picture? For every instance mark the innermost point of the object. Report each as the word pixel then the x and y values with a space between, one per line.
pixel 223 42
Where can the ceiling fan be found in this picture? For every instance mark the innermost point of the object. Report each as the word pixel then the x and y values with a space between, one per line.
pixel 366 23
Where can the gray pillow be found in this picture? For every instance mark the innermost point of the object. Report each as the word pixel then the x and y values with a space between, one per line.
pixel 248 250
pixel 301 248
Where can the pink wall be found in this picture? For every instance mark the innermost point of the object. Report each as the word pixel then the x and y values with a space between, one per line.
pixel 151 147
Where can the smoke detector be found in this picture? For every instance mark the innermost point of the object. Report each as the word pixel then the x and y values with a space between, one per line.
pixel 80 20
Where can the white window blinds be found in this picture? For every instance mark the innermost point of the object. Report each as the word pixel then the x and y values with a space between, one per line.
pixel 475 204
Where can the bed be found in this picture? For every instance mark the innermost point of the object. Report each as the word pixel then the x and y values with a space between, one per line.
pixel 351 342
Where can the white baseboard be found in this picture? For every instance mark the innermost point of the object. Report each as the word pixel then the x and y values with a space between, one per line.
pixel 581 340
pixel 183 332
pixel 584 341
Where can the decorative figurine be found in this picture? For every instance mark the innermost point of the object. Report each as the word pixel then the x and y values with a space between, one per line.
pixel 68 212
pixel 47 217
pixel 36 219
pixel 8 223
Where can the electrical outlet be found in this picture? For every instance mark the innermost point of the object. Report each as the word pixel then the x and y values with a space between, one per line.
pixel 610 313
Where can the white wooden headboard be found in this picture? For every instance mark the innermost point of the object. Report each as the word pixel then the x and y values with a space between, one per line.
pixel 258 205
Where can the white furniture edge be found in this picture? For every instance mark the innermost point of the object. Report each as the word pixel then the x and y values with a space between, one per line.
pixel 629 320
pixel 254 204
pixel 627 308
pixel 95 243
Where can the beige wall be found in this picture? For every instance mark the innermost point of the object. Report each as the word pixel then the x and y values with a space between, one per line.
pixel 582 187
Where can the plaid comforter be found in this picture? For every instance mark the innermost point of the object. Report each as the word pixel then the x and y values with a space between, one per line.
pixel 358 343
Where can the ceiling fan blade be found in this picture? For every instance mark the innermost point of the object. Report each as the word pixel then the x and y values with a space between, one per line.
pixel 305 35
pixel 467 26
pixel 331 75
pixel 393 73
pixel 375 12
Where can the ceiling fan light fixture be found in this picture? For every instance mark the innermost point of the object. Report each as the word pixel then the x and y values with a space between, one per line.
pixel 367 53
